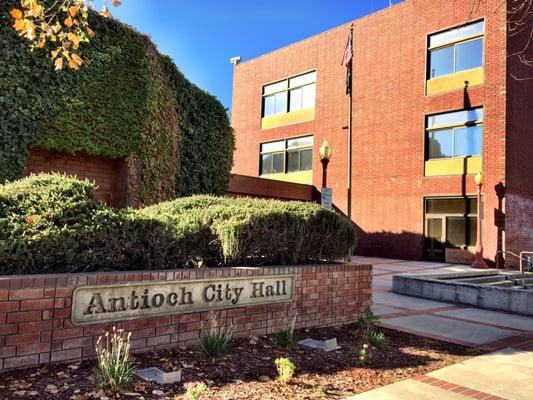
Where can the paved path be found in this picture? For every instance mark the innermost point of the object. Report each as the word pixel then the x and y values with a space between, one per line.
pixel 504 374
pixel 453 323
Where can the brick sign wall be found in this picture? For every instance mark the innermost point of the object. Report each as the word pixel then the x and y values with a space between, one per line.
pixel 36 318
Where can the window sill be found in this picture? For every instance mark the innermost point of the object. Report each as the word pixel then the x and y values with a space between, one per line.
pixel 455 81
pixel 453 166
pixel 303 177
pixel 294 117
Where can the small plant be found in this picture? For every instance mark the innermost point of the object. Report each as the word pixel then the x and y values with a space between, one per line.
pixel 286 337
pixel 214 342
pixel 367 322
pixel 114 366
pixel 195 390
pixel 363 355
pixel 377 339
pixel 285 369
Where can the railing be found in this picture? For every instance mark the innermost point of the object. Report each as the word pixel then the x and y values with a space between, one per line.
pixel 520 257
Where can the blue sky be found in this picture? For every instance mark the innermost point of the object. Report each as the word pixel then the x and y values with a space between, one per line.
pixel 202 35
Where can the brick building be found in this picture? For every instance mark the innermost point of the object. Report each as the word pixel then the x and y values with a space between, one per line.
pixel 438 95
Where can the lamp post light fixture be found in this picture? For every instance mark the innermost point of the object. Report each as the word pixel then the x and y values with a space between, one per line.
pixel 479 261
pixel 325 156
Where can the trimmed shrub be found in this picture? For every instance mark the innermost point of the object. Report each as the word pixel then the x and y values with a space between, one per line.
pixel 258 231
pixel 52 223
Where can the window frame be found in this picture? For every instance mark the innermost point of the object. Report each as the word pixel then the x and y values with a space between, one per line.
pixel 287 91
pixel 286 150
pixel 454 43
pixel 453 127
pixel 470 213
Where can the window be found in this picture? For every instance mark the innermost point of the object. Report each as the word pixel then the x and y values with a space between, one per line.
pixel 291 155
pixel 455 134
pixel 290 95
pixel 456 50
pixel 450 222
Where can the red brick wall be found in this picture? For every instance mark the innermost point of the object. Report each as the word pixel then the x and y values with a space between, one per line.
pixel 519 144
pixel 240 185
pixel 35 311
pixel 389 106
pixel 109 174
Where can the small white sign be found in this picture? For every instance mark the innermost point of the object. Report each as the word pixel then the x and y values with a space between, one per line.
pixel 326 198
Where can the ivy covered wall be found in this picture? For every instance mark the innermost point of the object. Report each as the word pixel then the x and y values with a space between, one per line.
pixel 127 101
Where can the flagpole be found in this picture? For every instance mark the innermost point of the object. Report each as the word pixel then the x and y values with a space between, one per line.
pixel 350 111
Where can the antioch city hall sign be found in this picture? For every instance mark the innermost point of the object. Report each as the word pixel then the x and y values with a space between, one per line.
pixel 107 303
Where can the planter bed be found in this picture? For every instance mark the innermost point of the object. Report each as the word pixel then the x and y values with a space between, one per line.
pixel 248 371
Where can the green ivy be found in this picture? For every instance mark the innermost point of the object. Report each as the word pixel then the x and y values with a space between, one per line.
pixel 127 101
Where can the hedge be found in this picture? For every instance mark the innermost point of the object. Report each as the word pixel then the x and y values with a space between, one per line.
pixel 127 101
pixel 52 223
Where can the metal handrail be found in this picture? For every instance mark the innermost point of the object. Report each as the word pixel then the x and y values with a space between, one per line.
pixel 520 257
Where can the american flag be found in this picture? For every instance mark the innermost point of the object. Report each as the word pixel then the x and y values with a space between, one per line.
pixel 347 63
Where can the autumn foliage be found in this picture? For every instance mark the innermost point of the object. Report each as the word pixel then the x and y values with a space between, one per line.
pixel 64 25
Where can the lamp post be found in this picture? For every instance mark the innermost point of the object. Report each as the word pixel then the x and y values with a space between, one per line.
pixel 325 156
pixel 479 262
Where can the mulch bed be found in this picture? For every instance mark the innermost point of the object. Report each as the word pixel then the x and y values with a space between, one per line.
pixel 248 372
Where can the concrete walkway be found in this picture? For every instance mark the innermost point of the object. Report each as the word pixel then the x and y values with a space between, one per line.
pixel 453 323
pixel 504 374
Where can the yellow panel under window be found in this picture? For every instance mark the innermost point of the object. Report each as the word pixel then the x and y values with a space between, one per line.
pixel 304 177
pixel 455 81
pixel 453 166
pixel 294 117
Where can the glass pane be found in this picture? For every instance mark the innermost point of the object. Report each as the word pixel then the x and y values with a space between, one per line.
pixel 446 206
pixel 453 118
pixel 270 106
pixel 278 163
pixel 303 79
pixel 281 103
pixel 469 55
pixel 456 234
pixel 435 229
pixel 266 164
pixel 299 142
pixel 441 62
pixel 275 87
pixel 296 99
pixel 306 160
pixel 440 144
pixel 472 234
pixel 454 35
pixel 293 163
pixel 472 206
pixel 272 146
pixel 309 94
pixel 468 141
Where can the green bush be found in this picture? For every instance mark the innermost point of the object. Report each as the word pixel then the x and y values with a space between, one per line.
pixel 52 223
pixel 257 231
pixel 215 342
pixel 127 101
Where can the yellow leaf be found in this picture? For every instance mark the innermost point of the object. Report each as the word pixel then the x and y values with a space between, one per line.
pixel 59 64
pixel 117 3
pixel 16 13
pixel 73 11
pixel 105 12
pixel 73 64
pixel 69 22
pixel 19 25
pixel 91 33
pixel 41 43
pixel 77 59
pixel 54 53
